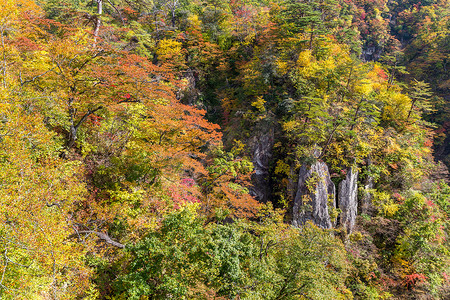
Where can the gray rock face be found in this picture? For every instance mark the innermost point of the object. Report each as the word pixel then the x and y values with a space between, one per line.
pixel 348 200
pixel 262 146
pixel 315 193
pixel 371 53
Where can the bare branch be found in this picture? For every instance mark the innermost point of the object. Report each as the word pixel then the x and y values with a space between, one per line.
pixel 35 77
pixel 86 115
pixel 103 236
pixel 118 12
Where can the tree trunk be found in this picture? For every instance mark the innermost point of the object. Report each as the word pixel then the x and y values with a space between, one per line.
pixel 98 21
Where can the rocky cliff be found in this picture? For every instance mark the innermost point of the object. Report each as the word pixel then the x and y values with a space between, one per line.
pixel 261 146
pixel 315 195
pixel 348 200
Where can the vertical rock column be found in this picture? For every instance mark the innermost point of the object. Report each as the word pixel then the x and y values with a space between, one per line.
pixel 315 192
pixel 348 200
pixel 262 145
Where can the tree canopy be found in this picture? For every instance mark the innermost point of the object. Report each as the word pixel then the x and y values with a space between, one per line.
pixel 137 136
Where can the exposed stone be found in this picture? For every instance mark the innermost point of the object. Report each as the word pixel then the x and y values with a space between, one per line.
pixel 315 193
pixel 190 93
pixel 348 199
pixel 371 53
pixel 262 146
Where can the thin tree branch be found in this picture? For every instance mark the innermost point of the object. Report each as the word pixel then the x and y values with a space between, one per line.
pixel 103 236
pixel 86 115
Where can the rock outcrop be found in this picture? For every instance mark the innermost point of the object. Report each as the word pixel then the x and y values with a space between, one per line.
pixel 315 194
pixel 348 200
pixel 262 146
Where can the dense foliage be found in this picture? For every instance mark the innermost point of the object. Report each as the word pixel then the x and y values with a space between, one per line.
pixel 127 136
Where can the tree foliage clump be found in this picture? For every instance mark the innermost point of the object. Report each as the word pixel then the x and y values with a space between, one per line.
pixel 131 134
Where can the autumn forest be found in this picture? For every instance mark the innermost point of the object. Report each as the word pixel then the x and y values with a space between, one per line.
pixel 224 149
